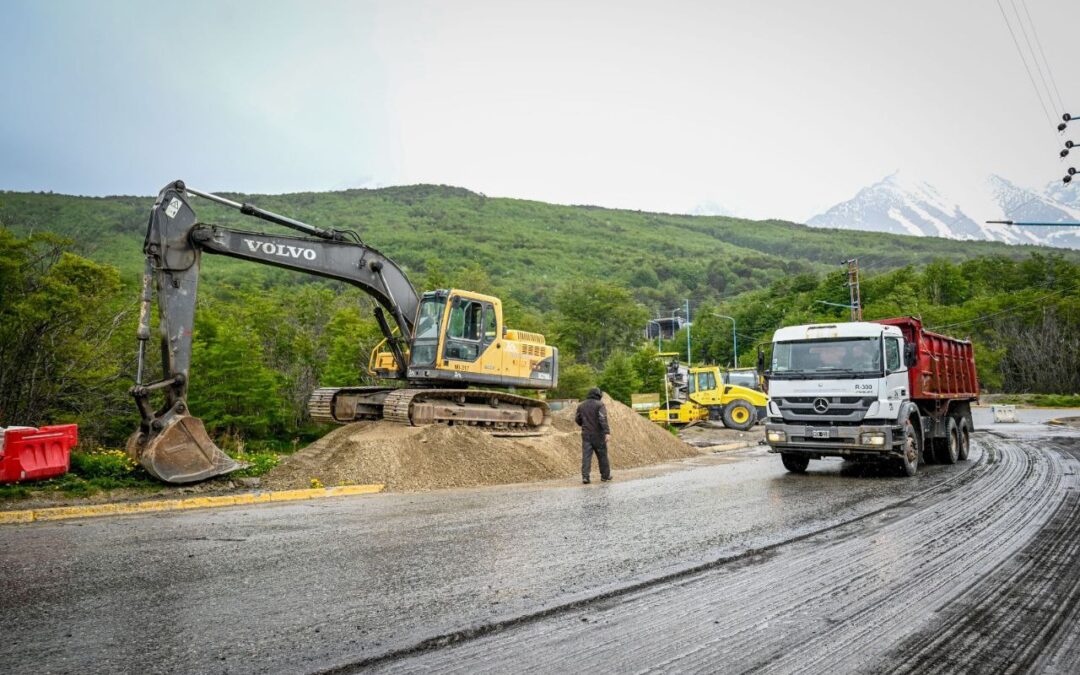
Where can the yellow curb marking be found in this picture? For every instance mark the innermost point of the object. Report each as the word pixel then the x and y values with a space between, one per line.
pixel 87 511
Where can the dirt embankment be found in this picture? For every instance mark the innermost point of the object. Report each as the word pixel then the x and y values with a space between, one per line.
pixel 424 458
pixel 1073 422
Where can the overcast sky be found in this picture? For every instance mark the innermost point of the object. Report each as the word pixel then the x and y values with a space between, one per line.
pixel 770 109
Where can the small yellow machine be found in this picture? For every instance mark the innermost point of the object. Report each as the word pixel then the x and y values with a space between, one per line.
pixel 698 394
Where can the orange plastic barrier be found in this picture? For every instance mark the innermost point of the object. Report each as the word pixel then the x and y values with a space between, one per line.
pixel 27 453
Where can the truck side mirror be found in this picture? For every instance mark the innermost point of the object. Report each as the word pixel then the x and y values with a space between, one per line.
pixel 760 360
pixel 910 358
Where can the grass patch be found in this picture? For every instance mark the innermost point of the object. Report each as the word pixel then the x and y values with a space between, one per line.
pixel 1041 400
pixel 1056 400
pixel 92 472
pixel 103 464
pixel 102 470
pixel 260 462
pixel 16 491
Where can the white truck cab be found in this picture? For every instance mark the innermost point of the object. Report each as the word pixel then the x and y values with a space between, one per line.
pixel 837 390
pixel 844 390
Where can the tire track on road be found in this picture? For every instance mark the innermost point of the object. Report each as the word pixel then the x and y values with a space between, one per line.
pixel 836 599
pixel 746 557
pixel 1013 620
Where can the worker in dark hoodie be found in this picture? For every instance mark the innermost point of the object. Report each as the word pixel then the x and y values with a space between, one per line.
pixel 595 433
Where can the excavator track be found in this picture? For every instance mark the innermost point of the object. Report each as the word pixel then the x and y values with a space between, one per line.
pixel 323 401
pixel 496 412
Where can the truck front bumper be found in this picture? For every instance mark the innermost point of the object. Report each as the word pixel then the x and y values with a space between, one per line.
pixel 867 440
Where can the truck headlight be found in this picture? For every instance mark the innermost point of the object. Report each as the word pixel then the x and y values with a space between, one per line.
pixel 873 438
pixel 776 436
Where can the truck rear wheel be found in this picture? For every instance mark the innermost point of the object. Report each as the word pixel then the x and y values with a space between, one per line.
pixel 947 450
pixel 740 415
pixel 795 463
pixel 909 463
pixel 964 437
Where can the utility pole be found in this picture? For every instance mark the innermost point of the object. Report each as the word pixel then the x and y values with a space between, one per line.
pixel 853 288
pixel 688 332
pixel 734 340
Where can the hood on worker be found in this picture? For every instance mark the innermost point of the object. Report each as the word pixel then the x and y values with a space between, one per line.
pixel 595 393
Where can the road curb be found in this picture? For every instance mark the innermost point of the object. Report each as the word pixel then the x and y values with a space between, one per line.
pixel 262 497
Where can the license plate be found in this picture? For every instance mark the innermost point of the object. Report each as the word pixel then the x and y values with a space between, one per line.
pixel 819 433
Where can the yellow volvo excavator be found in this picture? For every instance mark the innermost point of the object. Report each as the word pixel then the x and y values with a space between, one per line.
pixel 442 344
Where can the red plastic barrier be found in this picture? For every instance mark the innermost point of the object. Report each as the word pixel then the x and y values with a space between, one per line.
pixel 33 454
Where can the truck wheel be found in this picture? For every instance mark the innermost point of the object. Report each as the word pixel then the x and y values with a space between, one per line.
pixel 948 450
pixel 964 435
pixel 740 415
pixel 795 463
pixel 909 463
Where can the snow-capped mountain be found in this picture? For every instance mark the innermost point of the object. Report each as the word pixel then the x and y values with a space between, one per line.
pixel 711 208
pixel 902 205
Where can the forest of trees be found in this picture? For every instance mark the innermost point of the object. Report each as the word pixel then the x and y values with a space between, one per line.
pixel 529 249
pixel 264 338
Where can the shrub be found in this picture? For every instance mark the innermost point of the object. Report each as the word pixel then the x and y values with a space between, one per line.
pixel 103 464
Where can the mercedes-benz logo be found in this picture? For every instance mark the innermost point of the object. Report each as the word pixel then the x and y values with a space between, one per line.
pixel 821 406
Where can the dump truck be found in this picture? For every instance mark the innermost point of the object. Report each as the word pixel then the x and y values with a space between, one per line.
pixel 698 393
pixel 446 356
pixel 886 391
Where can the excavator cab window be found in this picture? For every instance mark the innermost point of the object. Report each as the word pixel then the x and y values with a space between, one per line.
pixel 465 329
pixel 491 325
pixel 429 319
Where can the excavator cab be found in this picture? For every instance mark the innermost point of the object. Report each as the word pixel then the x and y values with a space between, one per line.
pixel 459 336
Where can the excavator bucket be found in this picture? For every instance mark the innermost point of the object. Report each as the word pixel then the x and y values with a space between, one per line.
pixel 182 452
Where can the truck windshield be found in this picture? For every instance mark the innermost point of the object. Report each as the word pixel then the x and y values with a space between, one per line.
pixel 428 321
pixel 833 358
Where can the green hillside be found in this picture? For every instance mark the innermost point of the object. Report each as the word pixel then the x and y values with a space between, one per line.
pixel 526 248
pixel 587 278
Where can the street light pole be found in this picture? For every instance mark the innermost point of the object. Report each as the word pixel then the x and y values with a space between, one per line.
pixel 659 333
pixel 685 309
pixel 734 340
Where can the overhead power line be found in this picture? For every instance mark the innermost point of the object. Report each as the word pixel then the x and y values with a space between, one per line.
pixel 1035 59
pixel 1027 69
pixel 1007 310
pixel 1046 62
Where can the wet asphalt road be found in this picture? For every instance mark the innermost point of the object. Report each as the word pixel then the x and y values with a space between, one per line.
pixel 726 564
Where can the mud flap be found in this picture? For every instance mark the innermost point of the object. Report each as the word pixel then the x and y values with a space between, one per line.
pixel 182 452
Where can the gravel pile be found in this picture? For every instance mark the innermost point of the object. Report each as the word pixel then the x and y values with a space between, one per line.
pixel 425 458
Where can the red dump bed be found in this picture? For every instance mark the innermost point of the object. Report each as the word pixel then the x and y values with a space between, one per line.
pixel 27 453
pixel 945 366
